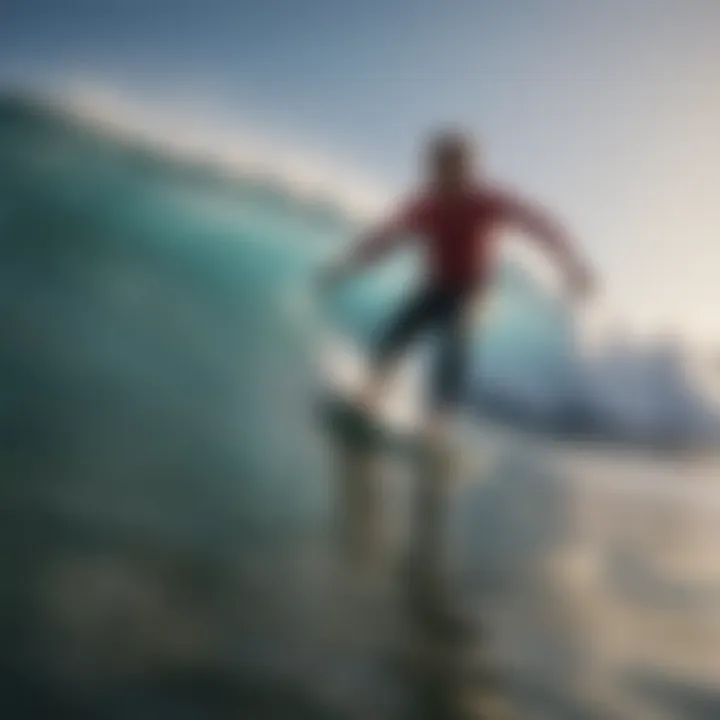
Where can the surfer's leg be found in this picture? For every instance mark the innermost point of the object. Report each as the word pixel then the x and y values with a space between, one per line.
pixel 449 374
pixel 414 315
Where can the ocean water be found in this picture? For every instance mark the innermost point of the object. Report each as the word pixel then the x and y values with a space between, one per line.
pixel 169 512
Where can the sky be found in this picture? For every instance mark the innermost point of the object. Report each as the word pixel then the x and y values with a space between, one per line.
pixel 605 111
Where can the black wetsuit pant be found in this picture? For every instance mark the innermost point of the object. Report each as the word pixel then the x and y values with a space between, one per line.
pixel 440 311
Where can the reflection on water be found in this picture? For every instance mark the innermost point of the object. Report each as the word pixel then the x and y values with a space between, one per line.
pixel 611 576
pixel 578 599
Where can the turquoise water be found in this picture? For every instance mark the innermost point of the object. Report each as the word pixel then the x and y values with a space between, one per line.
pixel 155 279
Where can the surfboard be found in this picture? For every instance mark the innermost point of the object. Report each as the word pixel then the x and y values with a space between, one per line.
pixel 396 425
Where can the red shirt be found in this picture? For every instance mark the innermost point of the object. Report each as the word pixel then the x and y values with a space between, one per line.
pixel 458 232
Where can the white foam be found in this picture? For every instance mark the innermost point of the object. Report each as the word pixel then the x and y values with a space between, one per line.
pixel 181 129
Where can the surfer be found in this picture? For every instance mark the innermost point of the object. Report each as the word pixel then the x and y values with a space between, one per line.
pixel 454 215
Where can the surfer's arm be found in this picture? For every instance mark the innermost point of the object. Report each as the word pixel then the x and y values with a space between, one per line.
pixel 377 242
pixel 538 224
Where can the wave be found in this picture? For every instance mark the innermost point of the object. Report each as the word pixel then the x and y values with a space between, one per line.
pixel 84 186
pixel 232 150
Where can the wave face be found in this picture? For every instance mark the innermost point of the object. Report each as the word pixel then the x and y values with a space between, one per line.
pixel 147 322
pixel 151 292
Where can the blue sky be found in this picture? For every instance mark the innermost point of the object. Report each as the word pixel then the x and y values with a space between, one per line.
pixel 607 111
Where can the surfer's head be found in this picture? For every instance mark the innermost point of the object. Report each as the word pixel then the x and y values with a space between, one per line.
pixel 450 158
